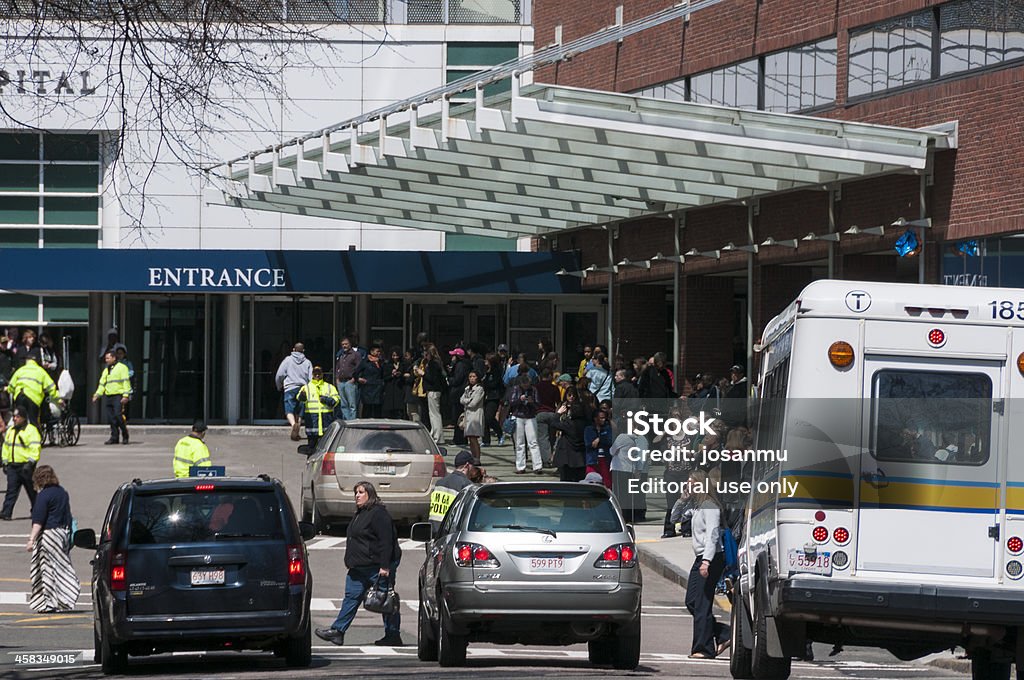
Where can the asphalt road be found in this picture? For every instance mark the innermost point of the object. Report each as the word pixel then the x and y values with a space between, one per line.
pixel 92 471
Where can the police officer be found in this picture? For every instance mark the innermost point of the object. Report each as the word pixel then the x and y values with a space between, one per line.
pixel 448 488
pixel 19 454
pixel 191 450
pixel 29 385
pixel 115 387
pixel 320 398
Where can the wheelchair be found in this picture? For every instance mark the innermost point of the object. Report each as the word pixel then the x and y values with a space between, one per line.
pixel 61 427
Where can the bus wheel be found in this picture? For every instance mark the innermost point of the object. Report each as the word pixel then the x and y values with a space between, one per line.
pixel 984 668
pixel 763 666
pixel 739 655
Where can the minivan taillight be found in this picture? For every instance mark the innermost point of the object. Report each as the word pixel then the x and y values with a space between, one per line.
pixel 117 575
pixel 296 566
pixel 327 464
pixel 475 555
pixel 615 556
pixel 439 469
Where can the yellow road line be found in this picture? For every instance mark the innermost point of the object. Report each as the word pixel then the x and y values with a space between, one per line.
pixel 25 580
pixel 57 617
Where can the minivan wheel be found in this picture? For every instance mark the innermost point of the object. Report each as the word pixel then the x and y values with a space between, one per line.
pixel 426 640
pixel 626 648
pixel 739 655
pixel 451 649
pixel 113 658
pixel 984 668
pixel 298 651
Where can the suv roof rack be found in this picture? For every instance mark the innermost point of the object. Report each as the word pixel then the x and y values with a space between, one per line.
pixel 264 476
pixel 136 482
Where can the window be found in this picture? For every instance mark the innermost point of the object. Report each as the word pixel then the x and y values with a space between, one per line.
pixel 795 79
pixel 569 511
pixel 50 184
pixel 734 85
pixel 337 11
pixel 200 517
pixel 800 78
pixel 367 440
pixel 931 417
pixel 891 54
pixel 979 33
pixel 529 323
pixel 465 59
pixel 386 323
pixel 464 11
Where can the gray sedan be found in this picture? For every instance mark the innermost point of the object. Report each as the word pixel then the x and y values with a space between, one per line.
pixel 545 563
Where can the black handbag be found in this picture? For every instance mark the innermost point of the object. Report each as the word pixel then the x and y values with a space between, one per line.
pixel 381 599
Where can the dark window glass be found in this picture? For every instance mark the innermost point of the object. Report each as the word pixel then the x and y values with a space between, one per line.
pixel 58 147
pixel 932 417
pixel 569 511
pixel 19 146
pixel 72 178
pixel 386 313
pixel 70 210
pixel 19 177
pixel 199 517
pixel 891 54
pixel 530 314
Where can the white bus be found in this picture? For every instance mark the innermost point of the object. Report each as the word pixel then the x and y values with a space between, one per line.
pixel 896 407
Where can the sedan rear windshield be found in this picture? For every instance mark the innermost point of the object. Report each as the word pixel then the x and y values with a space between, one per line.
pixel 204 516
pixel 568 510
pixel 367 440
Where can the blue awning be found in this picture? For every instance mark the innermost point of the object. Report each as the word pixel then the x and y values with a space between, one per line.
pixel 286 271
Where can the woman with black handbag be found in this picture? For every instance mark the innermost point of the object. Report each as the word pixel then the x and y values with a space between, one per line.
pixel 371 556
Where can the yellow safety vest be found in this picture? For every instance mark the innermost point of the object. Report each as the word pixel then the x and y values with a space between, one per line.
pixel 34 382
pixel 114 381
pixel 444 493
pixel 314 391
pixel 190 451
pixel 21 445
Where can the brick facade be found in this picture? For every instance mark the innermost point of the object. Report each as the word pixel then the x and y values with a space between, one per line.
pixel 971 192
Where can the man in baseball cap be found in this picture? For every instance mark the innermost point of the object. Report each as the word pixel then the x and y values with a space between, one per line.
pixel 449 487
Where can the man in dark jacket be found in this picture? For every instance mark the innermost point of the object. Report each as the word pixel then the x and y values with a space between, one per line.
pixel 624 387
pixel 734 407
pixel 458 377
pixel 449 486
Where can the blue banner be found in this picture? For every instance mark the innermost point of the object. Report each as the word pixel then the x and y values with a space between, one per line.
pixel 286 271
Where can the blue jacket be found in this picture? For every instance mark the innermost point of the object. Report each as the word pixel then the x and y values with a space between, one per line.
pixel 603 445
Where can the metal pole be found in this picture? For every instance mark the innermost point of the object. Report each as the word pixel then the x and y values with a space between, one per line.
pixel 680 223
pixel 611 272
pixel 922 212
pixel 750 292
pixel 831 230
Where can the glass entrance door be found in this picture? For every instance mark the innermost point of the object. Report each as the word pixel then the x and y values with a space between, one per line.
pixel 578 329
pixel 448 325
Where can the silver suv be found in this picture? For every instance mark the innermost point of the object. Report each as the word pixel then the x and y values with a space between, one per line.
pixel 545 563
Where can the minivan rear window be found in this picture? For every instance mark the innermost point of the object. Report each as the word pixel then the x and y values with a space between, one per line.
pixel 367 440
pixel 204 516
pixel 569 510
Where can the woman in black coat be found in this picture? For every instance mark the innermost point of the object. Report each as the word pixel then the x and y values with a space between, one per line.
pixel 570 449
pixel 394 386
pixel 371 556
pixel 370 376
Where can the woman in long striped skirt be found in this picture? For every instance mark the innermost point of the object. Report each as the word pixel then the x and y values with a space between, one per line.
pixel 55 586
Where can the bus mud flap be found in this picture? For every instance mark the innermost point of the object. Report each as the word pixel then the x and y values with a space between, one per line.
pixel 774 640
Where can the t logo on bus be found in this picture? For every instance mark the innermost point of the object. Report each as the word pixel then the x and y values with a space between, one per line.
pixel 858 301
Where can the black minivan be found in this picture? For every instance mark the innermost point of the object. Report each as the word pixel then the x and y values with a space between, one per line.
pixel 204 563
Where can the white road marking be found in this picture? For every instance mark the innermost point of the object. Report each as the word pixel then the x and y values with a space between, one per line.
pixel 325 543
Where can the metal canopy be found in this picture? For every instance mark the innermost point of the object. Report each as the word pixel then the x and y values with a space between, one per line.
pixel 546 158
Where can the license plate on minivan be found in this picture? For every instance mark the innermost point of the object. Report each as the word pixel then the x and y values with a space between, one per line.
pixel 207 577
pixel 552 564
pixel 383 469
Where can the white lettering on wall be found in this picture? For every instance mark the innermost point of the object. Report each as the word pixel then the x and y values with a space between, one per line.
pixel 205 277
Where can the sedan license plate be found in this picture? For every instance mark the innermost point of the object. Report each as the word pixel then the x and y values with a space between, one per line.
pixel 207 577
pixel 552 564
pixel 383 469
pixel 819 563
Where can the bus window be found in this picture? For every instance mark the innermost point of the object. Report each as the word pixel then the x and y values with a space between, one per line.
pixel 931 417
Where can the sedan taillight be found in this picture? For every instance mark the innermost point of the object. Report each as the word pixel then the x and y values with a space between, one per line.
pixel 618 556
pixel 475 555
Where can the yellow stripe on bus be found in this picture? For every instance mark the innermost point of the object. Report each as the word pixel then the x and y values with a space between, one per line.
pixel 930 496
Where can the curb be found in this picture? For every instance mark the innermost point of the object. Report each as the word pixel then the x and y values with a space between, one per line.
pixel 662 567
pixel 247 430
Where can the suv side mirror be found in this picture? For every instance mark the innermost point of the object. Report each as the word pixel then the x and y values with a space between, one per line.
pixel 422 532
pixel 85 538
pixel 442 450
pixel 304 450
pixel 307 530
